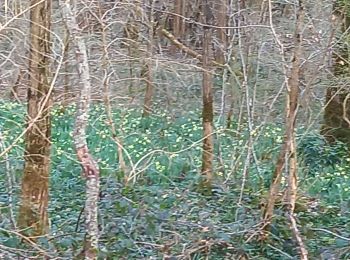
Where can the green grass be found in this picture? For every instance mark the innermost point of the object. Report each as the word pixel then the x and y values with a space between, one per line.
pixel 163 213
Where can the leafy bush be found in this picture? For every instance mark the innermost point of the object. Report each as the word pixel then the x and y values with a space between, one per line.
pixel 317 154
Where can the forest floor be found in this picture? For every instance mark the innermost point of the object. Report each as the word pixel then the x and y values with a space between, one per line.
pixel 164 214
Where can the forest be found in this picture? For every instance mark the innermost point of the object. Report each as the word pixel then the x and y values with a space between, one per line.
pixel 175 129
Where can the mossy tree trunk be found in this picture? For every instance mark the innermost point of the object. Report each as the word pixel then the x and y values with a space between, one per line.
pixel 336 124
pixel 33 209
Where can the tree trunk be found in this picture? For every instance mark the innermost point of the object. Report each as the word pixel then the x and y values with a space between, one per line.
pixel 291 110
pixel 131 33
pixel 336 124
pixel 67 88
pixel 15 7
pixel 146 72
pixel 293 98
pixel 221 14
pixel 207 113
pixel 179 25
pixel 88 164
pixel 14 94
pixel 106 93
pixel 288 149
pixel 35 183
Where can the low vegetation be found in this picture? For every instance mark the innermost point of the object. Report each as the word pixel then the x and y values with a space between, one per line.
pixel 163 212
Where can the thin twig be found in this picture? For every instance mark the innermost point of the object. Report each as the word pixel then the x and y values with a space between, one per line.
pixel 331 233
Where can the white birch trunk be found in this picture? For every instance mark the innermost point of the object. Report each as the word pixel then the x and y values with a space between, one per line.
pixel 89 165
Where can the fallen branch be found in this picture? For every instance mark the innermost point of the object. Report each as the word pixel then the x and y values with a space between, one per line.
pixel 186 49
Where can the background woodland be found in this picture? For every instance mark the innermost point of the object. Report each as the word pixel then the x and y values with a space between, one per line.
pixel 145 129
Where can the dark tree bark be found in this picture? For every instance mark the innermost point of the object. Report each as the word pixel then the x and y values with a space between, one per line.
pixel 35 183
pixel 146 72
pixel 221 17
pixel 207 113
pixel 336 124
pixel 178 24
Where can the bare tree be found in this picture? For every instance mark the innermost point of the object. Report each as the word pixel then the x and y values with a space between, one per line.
pixel 132 33
pixel 35 183
pixel 88 164
pixel 106 89
pixel 288 152
pixel 178 21
pixel 207 89
pixel 221 45
pixel 66 68
pixel 146 72
pixel 291 109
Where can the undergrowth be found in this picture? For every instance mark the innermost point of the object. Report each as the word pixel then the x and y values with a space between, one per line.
pixel 163 214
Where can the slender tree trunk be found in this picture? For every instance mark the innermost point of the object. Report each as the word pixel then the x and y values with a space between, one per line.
pixel 221 14
pixel 131 32
pixel 288 150
pixel 229 117
pixel 66 90
pixel 106 99
pixel 35 183
pixel 146 73
pixel 293 97
pixel 88 164
pixel 15 89
pixel 207 113
pixel 14 95
pixel 179 25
